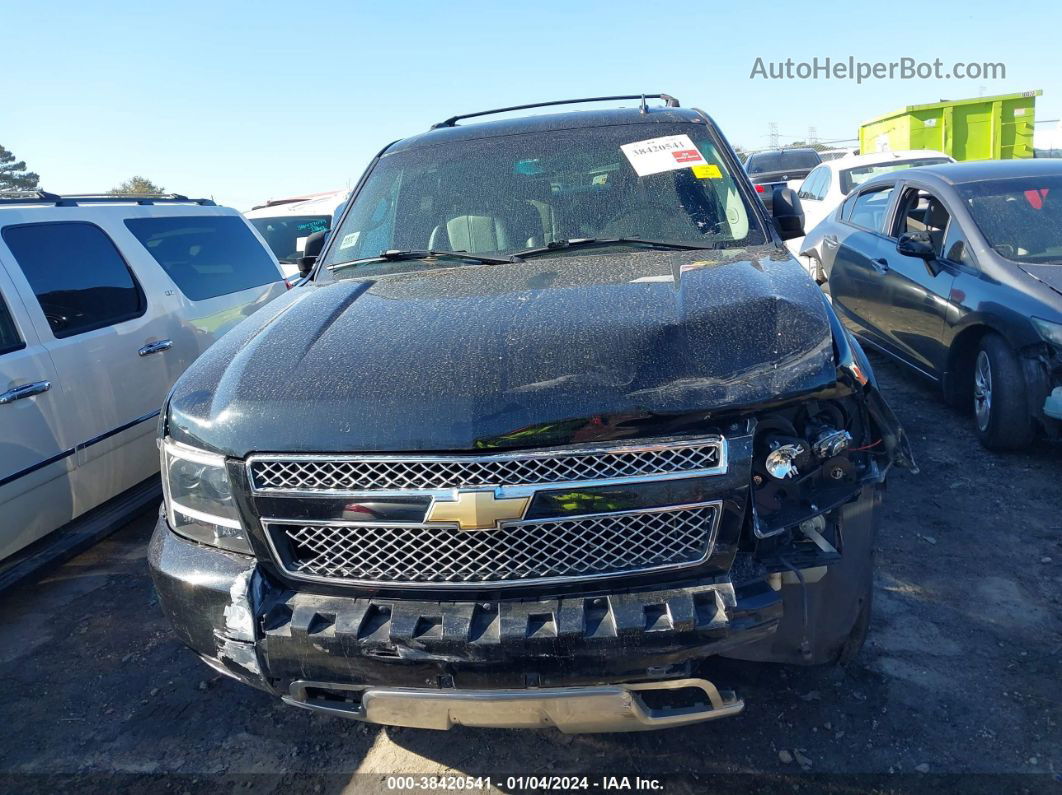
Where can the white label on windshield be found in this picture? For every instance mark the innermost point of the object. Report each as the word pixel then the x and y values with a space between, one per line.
pixel 350 240
pixel 669 153
pixel 300 244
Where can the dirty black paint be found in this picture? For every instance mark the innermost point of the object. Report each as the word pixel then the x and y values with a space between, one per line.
pixel 468 357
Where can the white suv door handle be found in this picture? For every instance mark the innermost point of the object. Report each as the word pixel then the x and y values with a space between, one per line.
pixel 24 391
pixel 156 347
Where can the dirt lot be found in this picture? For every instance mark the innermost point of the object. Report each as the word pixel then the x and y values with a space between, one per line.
pixel 957 689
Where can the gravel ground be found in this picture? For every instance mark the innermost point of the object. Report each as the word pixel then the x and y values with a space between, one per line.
pixel 957 688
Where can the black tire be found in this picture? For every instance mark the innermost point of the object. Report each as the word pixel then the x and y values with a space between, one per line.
pixel 1001 408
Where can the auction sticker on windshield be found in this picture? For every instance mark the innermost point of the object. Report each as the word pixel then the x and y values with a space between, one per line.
pixel 669 153
pixel 708 171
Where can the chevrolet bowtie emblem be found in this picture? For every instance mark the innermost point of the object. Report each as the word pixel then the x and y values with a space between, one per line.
pixel 478 510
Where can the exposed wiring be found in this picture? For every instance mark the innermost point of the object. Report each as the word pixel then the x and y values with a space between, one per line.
pixel 865 447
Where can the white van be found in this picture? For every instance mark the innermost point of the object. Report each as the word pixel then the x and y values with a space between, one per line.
pixel 104 301
pixel 285 224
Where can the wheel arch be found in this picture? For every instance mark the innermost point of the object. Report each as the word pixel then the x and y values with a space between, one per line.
pixel 1016 329
pixel 958 374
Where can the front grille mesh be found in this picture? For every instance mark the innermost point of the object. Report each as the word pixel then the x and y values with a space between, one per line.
pixel 578 547
pixel 323 474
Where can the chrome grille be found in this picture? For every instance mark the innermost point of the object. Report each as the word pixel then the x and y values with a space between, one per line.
pixel 521 552
pixel 302 474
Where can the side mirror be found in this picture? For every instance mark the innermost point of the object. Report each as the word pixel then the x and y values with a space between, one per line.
pixel 916 244
pixel 787 212
pixel 314 246
pixel 919 244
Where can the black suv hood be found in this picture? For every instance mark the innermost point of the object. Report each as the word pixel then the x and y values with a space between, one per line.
pixel 482 356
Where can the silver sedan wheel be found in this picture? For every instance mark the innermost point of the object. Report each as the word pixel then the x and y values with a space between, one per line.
pixel 983 390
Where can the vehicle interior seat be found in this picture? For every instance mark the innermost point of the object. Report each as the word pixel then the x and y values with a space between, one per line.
pixel 514 226
pixel 470 232
pixel 916 220
pixel 936 224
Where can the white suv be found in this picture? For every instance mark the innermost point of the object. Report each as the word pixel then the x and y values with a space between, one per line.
pixel 285 224
pixel 104 301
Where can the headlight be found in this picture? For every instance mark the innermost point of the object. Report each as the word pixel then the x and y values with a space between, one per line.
pixel 1051 332
pixel 199 502
pixel 781 462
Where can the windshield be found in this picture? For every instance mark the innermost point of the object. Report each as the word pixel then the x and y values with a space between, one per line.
pixel 791 160
pixel 286 234
pixel 500 196
pixel 854 177
pixel 1020 218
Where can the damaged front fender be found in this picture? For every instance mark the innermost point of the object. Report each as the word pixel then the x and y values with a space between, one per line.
pixel 210 597
pixel 853 369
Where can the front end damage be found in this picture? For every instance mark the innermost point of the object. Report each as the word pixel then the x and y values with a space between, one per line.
pixel 787 579
pixel 1042 367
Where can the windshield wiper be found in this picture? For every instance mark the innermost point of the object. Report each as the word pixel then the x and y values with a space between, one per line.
pixel 594 242
pixel 396 255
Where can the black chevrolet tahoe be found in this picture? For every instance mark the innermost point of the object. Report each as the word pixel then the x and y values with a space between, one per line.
pixel 572 425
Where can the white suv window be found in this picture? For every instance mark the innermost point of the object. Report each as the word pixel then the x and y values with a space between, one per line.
pixel 9 338
pixel 208 255
pixel 80 280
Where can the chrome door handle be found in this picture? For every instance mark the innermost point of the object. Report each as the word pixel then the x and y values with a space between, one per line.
pixel 24 391
pixel 156 347
pixel 830 241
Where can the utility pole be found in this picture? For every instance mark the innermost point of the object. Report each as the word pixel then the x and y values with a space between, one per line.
pixel 772 134
pixel 812 135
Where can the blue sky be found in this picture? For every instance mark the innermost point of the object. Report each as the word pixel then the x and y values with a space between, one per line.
pixel 243 101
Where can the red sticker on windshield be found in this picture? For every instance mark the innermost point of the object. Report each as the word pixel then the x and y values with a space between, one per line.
pixel 1036 198
pixel 688 156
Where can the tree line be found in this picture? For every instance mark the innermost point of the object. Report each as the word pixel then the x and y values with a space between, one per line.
pixel 15 176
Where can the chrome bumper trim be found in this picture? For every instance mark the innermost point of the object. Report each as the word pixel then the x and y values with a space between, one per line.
pixel 502 489
pixel 573 710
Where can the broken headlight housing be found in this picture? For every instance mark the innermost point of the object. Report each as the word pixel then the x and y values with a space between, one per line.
pixel 199 503
pixel 806 462
pixel 1051 332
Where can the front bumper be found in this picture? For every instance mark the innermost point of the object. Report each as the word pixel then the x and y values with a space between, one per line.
pixel 573 710
pixel 598 661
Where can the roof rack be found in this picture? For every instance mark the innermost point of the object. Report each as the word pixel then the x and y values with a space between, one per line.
pixel 670 101
pixel 276 203
pixel 76 199
pixel 307 197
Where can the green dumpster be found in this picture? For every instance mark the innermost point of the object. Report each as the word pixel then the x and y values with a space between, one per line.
pixel 982 128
